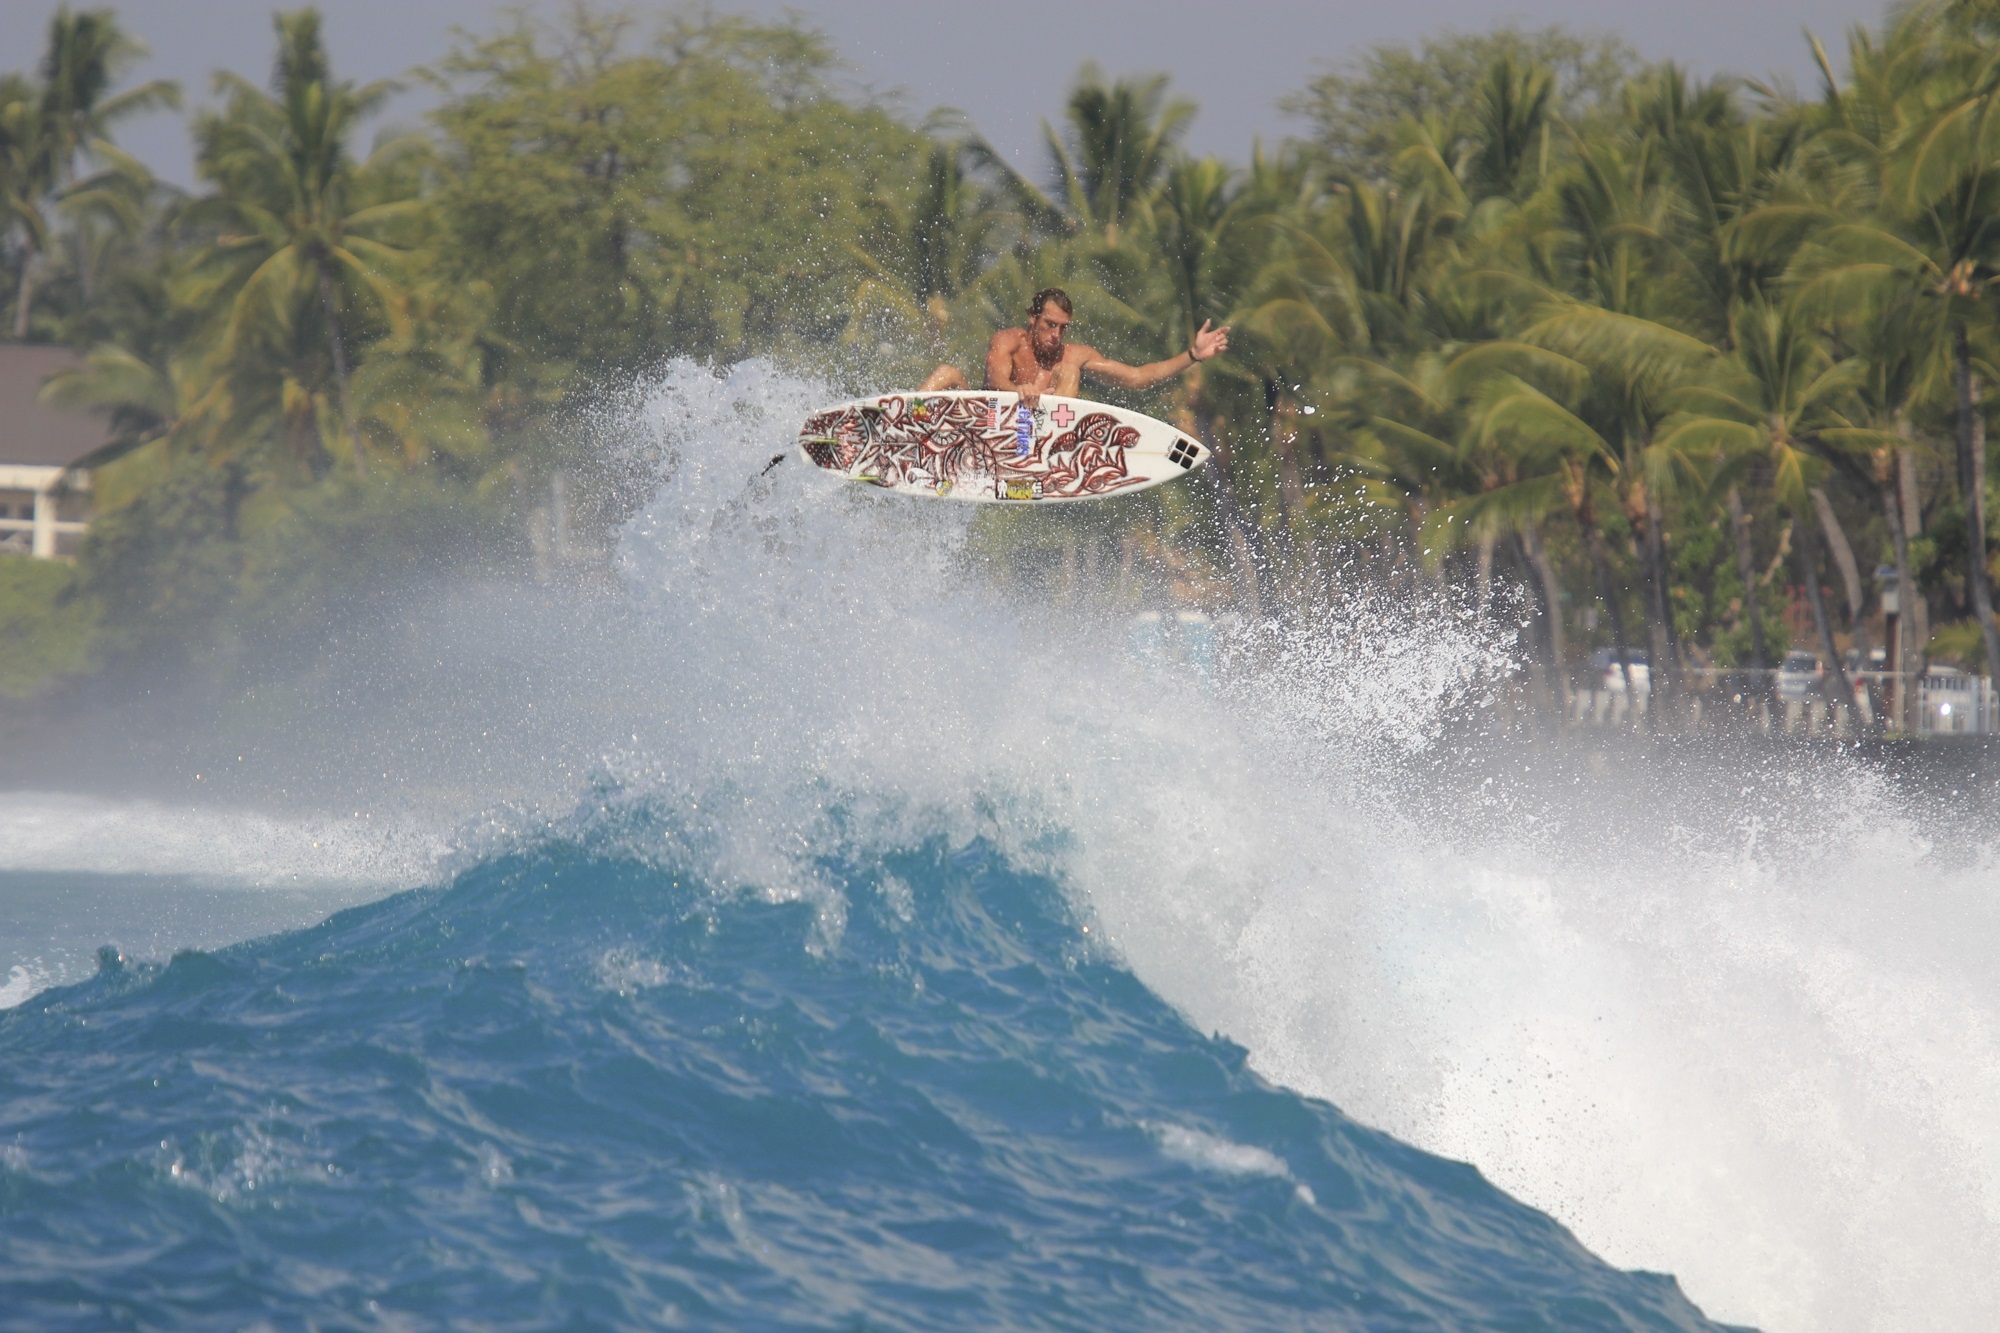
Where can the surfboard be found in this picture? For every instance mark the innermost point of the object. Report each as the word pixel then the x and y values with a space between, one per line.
pixel 984 446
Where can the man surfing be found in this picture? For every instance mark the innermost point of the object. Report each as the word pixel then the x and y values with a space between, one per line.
pixel 1035 360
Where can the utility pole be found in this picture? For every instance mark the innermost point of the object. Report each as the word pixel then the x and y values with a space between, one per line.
pixel 1892 642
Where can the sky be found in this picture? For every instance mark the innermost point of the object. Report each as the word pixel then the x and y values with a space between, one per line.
pixel 1006 66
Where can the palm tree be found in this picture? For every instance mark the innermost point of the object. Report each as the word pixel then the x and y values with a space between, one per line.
pixel 1933 241
pixel 1742 219
pixel 20 179
pixel 1556 455
pixel 1108 165
pixel 1628 302
pixel 305 224
pixel 1892 87
pixel 1637 367
pixel 1884 397
pixel 1779 402
pixel 72 117
pixel 1434 417
pixel 1119 148
pixel 182 406
pixel 1204 231
pixel 1510 133
pixel 928 247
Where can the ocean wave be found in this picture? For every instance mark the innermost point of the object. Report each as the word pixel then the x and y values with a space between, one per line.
pixel 576 1081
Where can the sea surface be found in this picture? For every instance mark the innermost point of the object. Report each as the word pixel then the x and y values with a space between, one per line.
pixel 819 925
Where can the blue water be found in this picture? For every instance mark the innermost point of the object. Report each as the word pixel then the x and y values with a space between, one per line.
pixel 579 1087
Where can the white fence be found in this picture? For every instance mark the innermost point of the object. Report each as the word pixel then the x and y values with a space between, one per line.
pixel 1947 703
pixel 1956 705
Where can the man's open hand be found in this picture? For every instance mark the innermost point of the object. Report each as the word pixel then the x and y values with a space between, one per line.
pixel 1209 342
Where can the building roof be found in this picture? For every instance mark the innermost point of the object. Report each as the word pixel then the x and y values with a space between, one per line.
pixel 31 432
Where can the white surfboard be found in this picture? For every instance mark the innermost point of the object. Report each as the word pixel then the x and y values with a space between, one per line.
pixel 965 445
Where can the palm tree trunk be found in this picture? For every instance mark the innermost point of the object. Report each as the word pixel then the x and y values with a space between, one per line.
pixel 1809 569
pixel 1601 563
pixel 1538 560
pixel 1410 548
pixel 1221 477
pixel 1193 419
pixel 1913 528
pixel 1972 479
pixel 1483 570
pixel 1233 523
pixel 1850 578
pixel 1746 570
pixel 1284 410
pixel 1899 541
pixel 1284 417
pixel 1662 645
pixel 24 300
pixel 339 349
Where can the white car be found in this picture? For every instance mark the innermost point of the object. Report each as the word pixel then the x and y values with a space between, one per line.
pixel 1798 678
pixel 1610 676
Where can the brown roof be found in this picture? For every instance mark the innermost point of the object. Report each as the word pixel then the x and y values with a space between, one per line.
pixel 35 433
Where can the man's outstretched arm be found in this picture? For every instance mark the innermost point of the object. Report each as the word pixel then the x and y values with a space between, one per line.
pixel 1208 343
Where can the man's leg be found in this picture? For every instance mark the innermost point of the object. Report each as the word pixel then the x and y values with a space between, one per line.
pixel 944 377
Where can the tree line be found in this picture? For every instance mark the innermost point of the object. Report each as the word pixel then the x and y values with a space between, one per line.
pixel 1697 363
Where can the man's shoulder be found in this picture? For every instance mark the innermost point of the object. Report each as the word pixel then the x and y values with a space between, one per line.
pixel 1009 338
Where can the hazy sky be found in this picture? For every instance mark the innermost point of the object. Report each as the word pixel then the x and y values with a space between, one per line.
pixel 1005 65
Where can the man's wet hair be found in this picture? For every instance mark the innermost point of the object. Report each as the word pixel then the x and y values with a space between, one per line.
pixel 1048 295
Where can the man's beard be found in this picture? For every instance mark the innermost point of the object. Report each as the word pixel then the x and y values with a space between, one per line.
pixel 1049 357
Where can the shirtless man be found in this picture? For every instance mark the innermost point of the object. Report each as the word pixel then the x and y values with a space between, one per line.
pixel 1035 360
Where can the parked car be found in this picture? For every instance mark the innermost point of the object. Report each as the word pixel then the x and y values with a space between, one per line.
pixel 1878 660
pixel 1605 669
pixel 1798 678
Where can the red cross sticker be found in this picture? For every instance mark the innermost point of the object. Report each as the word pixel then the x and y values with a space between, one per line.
pixel 1064 416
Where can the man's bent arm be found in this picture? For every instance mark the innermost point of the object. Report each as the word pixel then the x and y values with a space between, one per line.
pixel 1000 360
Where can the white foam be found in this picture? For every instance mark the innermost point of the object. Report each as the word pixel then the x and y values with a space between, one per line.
pixel 1207 1152
pixel 54 831
pixel 1760 1054
pixel 1774 1072
pixel 22 984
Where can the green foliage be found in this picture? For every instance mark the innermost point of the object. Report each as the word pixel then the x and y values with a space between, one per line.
pixel 50 632
pixel 1708 602
pixel 163 567
pixel 1120 146
pixel 198 560
pixel 1960 644
pixel 51 124
pixel 1355 109
pixel 696 193
pixel 306 564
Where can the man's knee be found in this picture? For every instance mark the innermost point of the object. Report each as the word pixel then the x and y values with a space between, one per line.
pixel 944 377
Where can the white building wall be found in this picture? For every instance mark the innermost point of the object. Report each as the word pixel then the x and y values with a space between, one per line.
pixel 43 489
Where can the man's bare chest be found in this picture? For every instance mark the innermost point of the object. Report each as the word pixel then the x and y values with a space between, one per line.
pixel 1063 377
